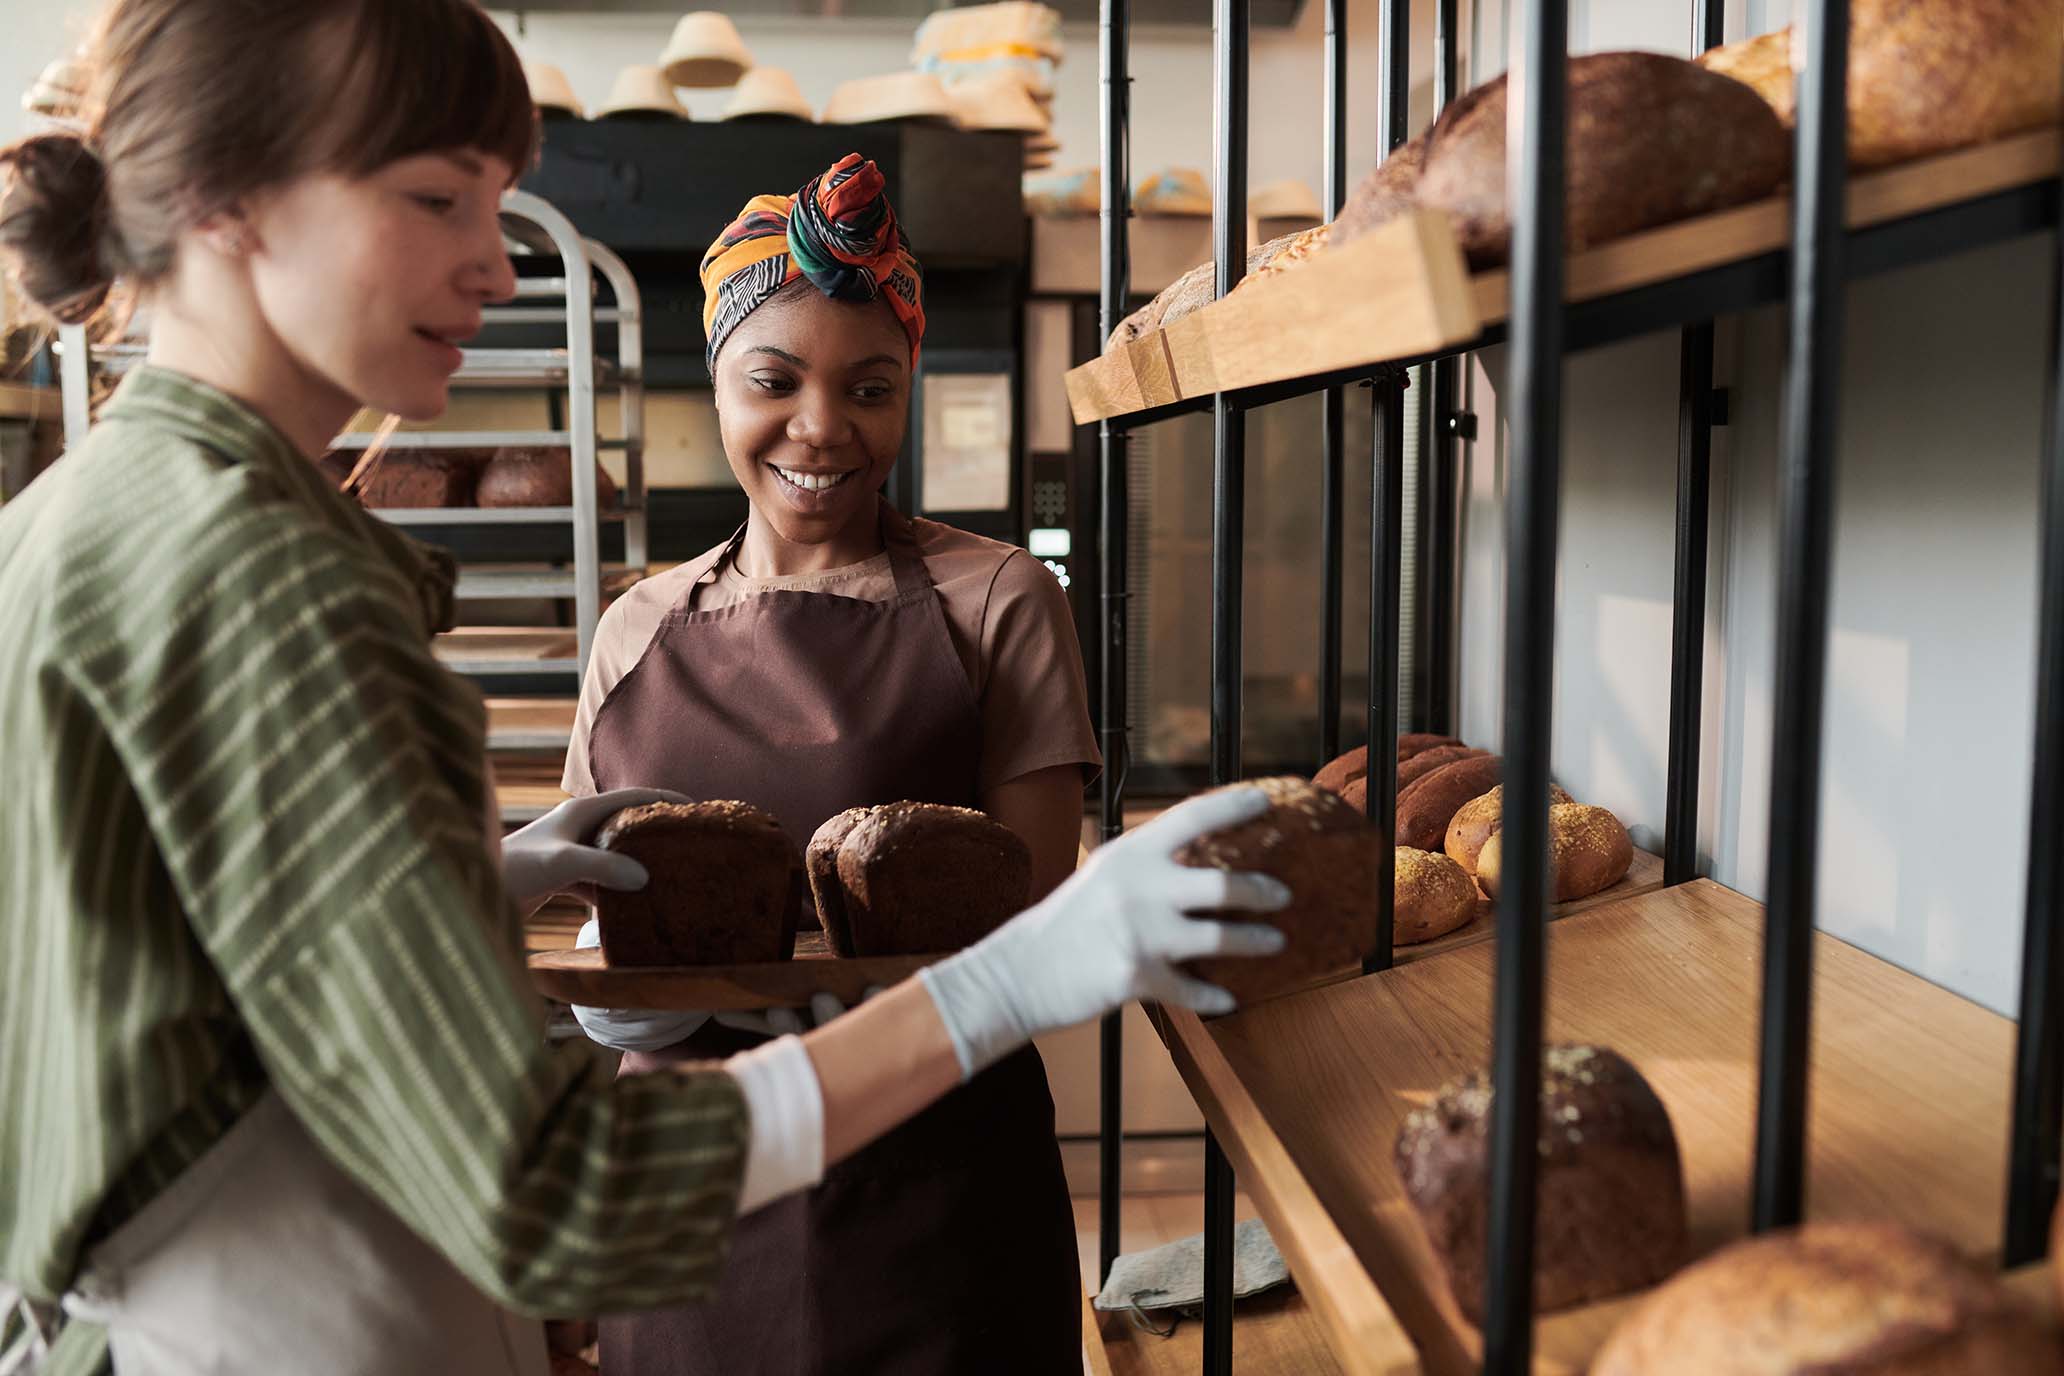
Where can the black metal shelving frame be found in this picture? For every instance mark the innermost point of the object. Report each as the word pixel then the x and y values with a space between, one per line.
pixel 1811 277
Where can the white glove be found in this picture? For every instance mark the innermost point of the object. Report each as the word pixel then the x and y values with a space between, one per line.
pixel 552 854
pixel 632 1029
pixel 1114 932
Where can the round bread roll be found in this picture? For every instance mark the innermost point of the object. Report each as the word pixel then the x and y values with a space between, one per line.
pixel 1864 1299
pixel 1479 819
pixel 1588 850
pixel 1434 896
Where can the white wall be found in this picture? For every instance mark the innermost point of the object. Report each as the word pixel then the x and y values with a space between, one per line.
pixel 1930 681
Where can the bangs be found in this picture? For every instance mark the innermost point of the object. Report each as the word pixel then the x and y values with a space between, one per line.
pixel 428 76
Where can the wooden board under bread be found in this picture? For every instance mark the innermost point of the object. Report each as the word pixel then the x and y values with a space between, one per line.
pixel 583 977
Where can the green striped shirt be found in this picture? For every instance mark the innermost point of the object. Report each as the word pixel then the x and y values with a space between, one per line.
pixel 243 848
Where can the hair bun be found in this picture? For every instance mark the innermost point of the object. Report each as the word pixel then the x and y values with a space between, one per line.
pixel 53 223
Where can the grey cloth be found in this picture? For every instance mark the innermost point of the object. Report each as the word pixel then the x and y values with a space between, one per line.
pixel 1172 1276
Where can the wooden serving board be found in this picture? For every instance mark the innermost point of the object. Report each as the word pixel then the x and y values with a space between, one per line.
pixel 581 976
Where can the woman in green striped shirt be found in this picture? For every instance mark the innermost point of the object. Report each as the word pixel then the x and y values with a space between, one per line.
pixel 276 1095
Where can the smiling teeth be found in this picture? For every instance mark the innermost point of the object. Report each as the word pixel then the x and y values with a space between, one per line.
pixel 813 482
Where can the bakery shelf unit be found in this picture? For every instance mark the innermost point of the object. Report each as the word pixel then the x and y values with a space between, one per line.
pixel 565 295
pixel 1924 1107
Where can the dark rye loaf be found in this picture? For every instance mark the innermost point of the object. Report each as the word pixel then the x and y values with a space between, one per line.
pixel 1425 809
pixel 726 886
pixel 921 878
pixel 1326 852
pixel 821 859
pixel 1611 1215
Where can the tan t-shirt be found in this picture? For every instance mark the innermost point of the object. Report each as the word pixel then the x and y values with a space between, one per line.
pixel 1005 612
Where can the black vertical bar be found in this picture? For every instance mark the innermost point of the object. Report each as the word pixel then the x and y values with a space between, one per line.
pixel 1386 502
pixel 1218 1259
pixel 2038 1131
pixel 1437 551
pixel 1386 553
pixel 1332 417
pixel 1536 120
pixel 1805 527
pixel 1229 31
pixel 1112 598
pixel 1688 603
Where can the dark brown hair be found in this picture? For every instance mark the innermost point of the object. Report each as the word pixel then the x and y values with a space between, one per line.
pixel 194 104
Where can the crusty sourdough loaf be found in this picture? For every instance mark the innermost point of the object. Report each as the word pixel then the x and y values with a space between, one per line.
pixel 1652 139
pixel 417 478
pixel 1383 195
pixel 1344 769
pixel 528 476
pixel 1763 64
pixel 826 890
pixel 1411 771
pixel 1479 819
pixel 726 886
pixel 921 878
pixel 1425 809
pixel 1588 851
pixel 1198 287
pixel 1611 1215
pixel 1300 247
pixel 1846 1298
pixel 1326 852
pixel 1434 896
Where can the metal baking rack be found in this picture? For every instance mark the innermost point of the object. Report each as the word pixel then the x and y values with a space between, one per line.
pixel 535 232
pixel 1297 1091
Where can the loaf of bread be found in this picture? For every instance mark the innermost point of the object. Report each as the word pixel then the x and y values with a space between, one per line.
pixel 1198 287
pixel 1479 819
pixel 417 478
pixel 921 878
pixel 1343 770
pixel 1858 1298
pixel 1925 76
pixel 522 476
pixel 1588 851
pixel 1300 247
pixel 1425 809
pixel 1411 771
pixel 1652 139
pixel 1610 1214
pixel 1434 897
pixel 1326 852
pixel 826 890
pixel 726 886
pixel 1384 194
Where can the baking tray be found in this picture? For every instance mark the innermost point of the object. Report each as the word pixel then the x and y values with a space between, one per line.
pixel 581 976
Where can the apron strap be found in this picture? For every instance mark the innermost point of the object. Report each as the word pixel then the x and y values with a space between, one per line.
pixel 900 539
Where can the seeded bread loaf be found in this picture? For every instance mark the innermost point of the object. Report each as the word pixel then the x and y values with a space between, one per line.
pixel 921 878
pixel 1434 896
pixel 1832 1299
pixel 821 858
pixel 1479 819
pixel 1611 1215
pixel 417 478
pixel 1652 139
pixel 1425 809
pixel 1326 852
pixel 726 886
pixel 522 476
pixel 1588 851
pixel 1198 287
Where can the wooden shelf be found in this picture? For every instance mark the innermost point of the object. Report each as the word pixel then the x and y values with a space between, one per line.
pixel 1909 1101
pixel 486 650
pixel 580 976
pixel 1273 1335
pixel 1400 293
pixel 19 401
pixel 530 724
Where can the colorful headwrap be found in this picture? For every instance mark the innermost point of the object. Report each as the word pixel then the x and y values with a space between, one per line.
pixel 839 231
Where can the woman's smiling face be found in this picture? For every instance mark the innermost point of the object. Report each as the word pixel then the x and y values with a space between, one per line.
pixel 813 398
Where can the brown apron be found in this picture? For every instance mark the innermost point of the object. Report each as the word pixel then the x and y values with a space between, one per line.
pixel 947 1246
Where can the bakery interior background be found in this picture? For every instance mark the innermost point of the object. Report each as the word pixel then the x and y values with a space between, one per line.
pixel 1931 671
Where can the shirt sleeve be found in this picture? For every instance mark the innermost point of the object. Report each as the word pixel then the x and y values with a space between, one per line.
pixel 1035 701
pixel 314 783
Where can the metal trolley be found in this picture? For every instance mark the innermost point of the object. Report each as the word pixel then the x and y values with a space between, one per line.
pixel 537 233
pixel 1545 323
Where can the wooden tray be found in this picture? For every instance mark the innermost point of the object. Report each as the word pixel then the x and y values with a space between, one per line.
pixel 1909 1101
pixel 579 976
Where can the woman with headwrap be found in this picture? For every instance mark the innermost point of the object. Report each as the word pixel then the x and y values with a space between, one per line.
pixel 835 653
